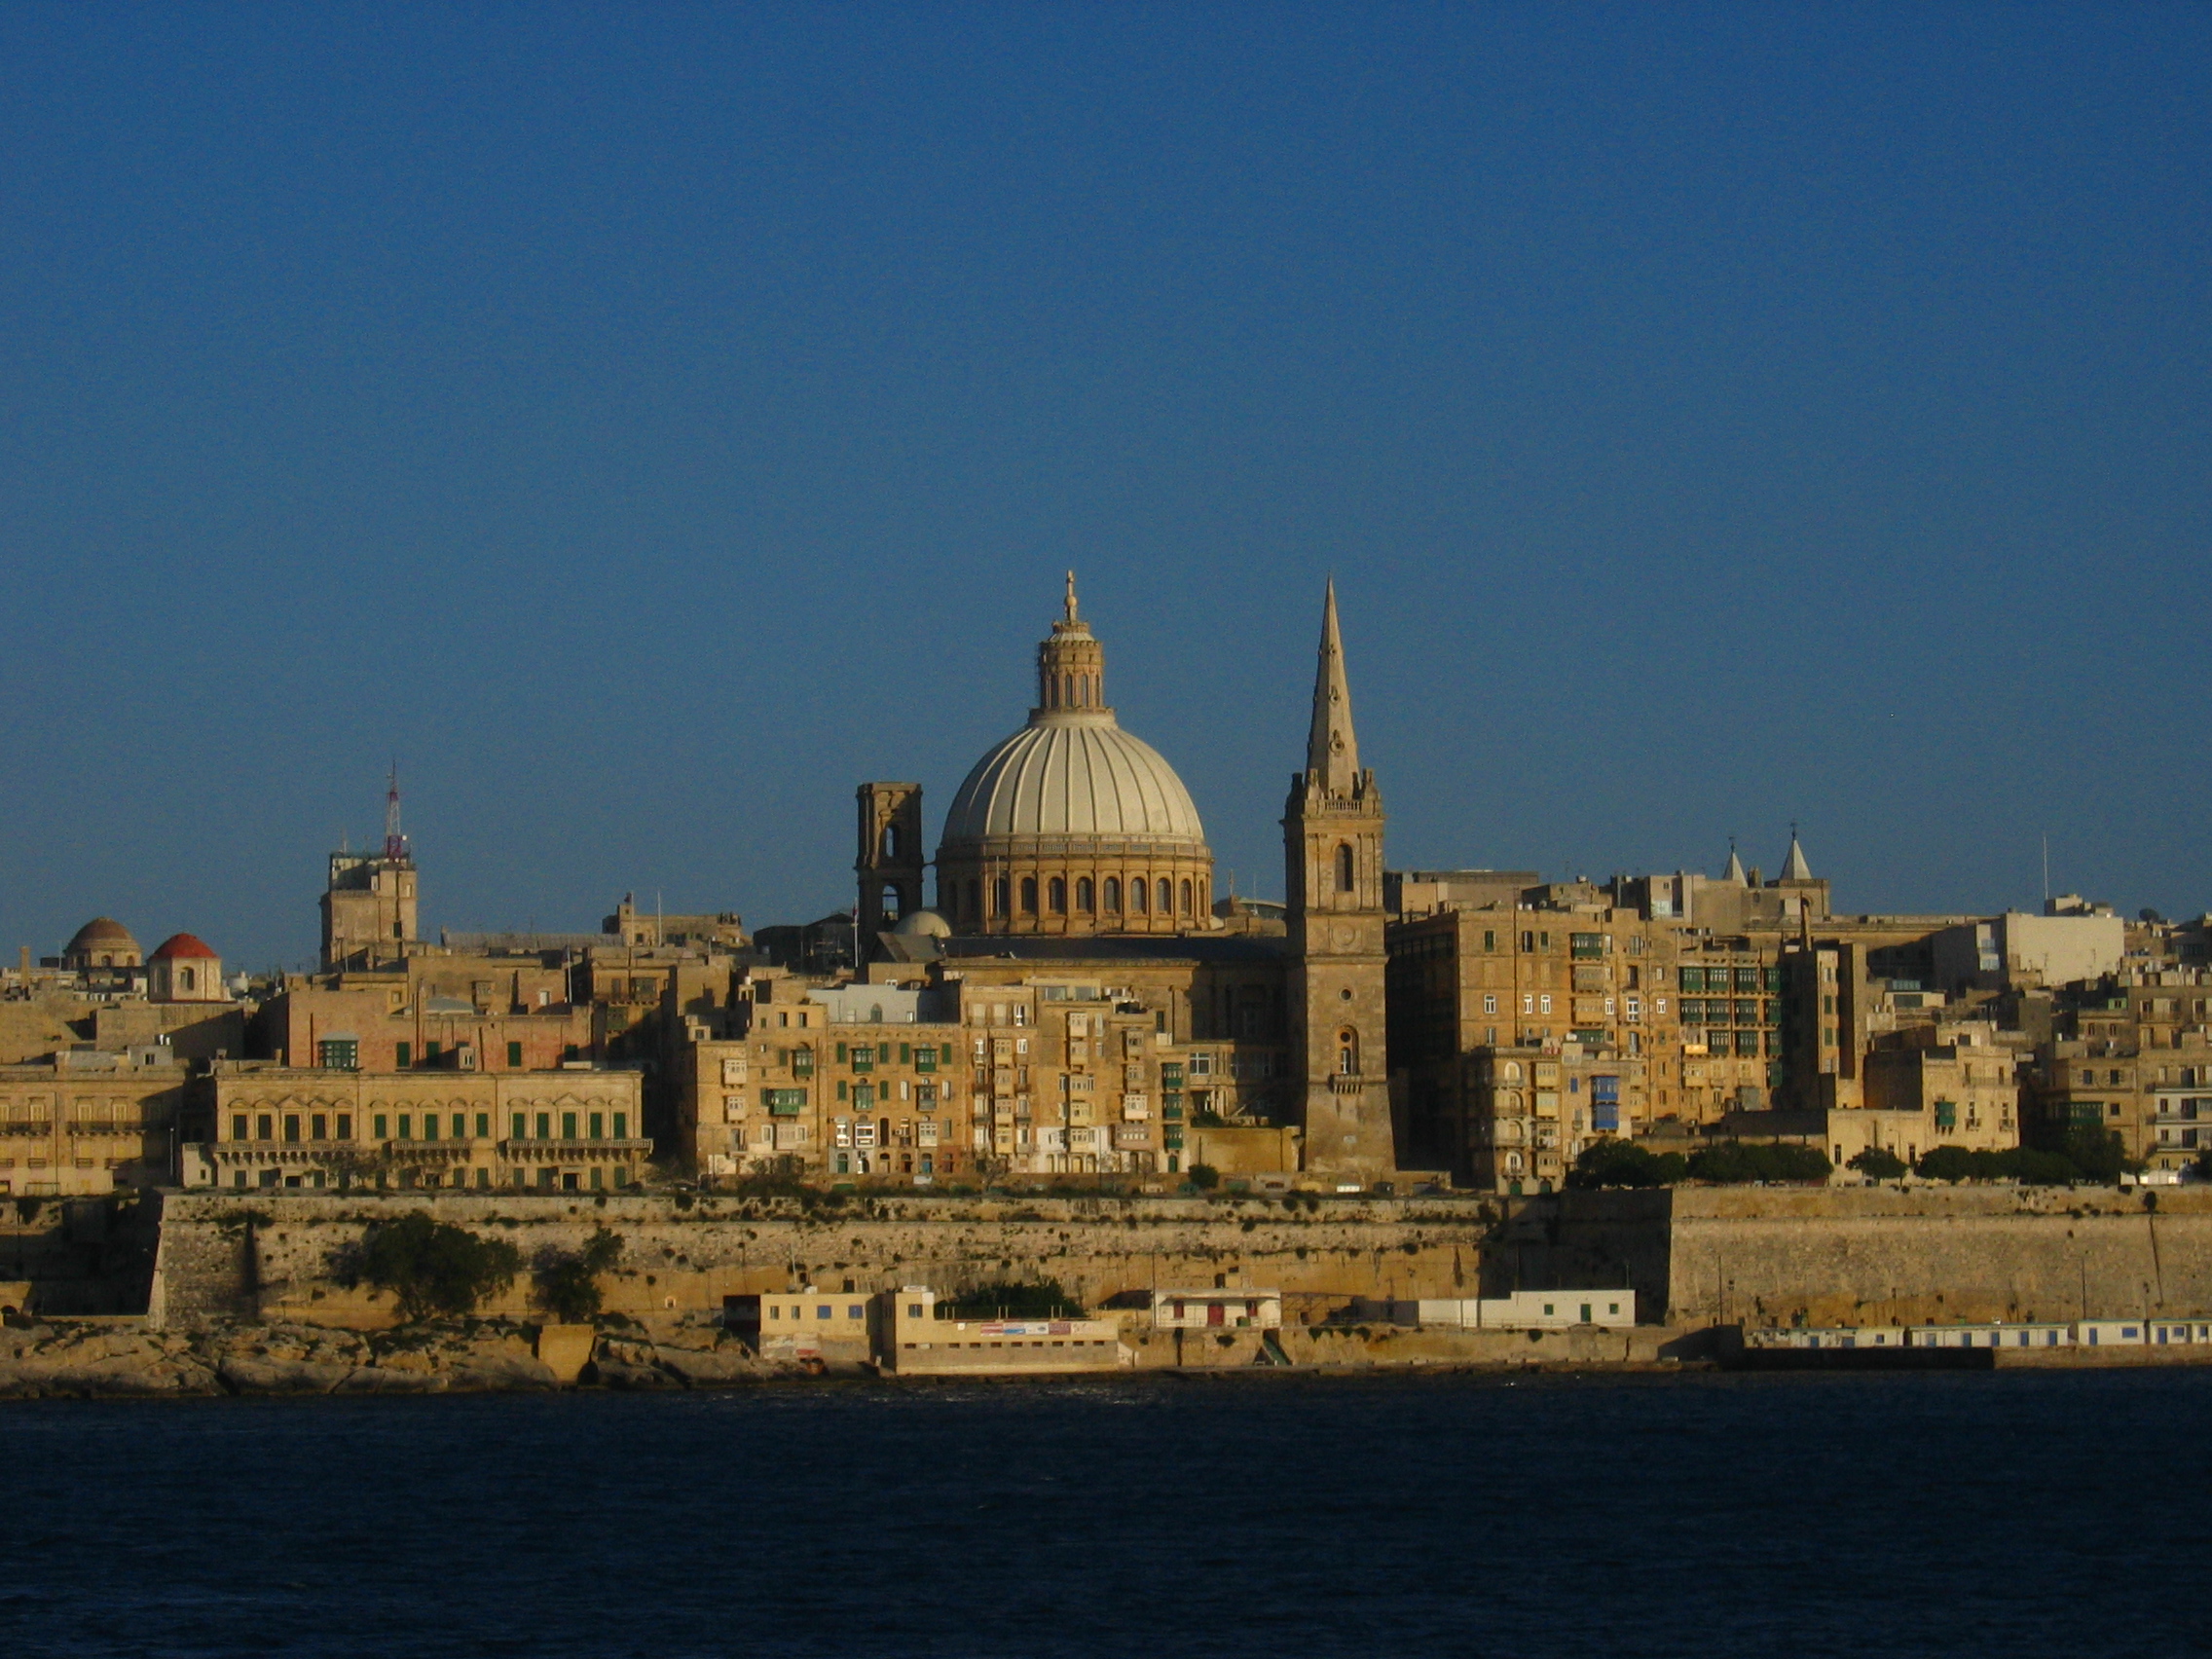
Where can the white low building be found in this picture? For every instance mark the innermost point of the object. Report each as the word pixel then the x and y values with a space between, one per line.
pixel 1523 1311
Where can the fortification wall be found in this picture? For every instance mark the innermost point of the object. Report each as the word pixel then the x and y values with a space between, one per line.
pixel 1694 1256
pixel 1862 1256
pixel 266 1255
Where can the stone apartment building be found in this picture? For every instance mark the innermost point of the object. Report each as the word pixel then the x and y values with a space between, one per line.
pixel 256 1125
pixel 1955 1083
pixel 481 1014
pixel 88 1121
pixel 1049 1069
pixel 2131 1053
pixel 1523 1035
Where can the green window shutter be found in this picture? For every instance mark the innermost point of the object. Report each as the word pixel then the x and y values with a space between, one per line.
pixel 945 1054
pixel 404 1055
pixel 514 1056
pixel 843 1089
pixel 516 1123
pixel 840 1053
pixel 621 1125
pixel 906 1053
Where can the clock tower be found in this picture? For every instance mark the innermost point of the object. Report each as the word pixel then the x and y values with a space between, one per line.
pixel 1332 832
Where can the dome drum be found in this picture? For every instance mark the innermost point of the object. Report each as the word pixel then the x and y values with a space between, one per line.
pixel 1076 890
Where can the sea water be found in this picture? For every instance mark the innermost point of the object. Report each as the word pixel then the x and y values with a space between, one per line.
pixel 2013 1512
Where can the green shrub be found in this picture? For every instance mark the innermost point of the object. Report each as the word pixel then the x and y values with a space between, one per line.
pixel 1011 1299
pixel 1623 1163
pixel 1204 1176
pixel 1733 1162
pixel 2098 1159
pixel 1877 1165
pixel 433 1266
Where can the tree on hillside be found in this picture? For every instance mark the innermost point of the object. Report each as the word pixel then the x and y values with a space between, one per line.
pixel 1736 1162
pixel 567 1280
pixel 1623 1163
pixel 433 1266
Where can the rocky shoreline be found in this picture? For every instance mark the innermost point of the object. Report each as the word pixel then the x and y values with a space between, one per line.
pixel 97 1360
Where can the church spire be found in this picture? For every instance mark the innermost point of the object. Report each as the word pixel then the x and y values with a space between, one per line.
pixel 1794 868
pixel 1072 617
pixel 1332 751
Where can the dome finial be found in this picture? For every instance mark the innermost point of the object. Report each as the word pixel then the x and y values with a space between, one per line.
pixel 1072 616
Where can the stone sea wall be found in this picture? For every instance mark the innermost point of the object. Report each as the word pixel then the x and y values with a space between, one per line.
pixel 1755 1256
pixel 1695 1256
pixel 261 1257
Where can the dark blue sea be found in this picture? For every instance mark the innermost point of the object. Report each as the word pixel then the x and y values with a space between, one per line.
pixel 1965 1514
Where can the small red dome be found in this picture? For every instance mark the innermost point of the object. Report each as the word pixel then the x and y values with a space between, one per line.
pixel 181 945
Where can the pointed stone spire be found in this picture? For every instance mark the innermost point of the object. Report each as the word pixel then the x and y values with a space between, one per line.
pixel 1794 868
pixel 1331 752
pixel 1735 871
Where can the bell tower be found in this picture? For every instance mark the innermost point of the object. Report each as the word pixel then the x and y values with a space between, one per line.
pixel 1332 831
pixel 890 862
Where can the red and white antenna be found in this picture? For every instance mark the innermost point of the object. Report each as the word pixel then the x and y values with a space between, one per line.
pixel 394 841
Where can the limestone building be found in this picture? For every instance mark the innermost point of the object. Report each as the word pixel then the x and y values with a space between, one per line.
pixel 103 943
pixel 370 904
pixel 252 1125
pixel 184 969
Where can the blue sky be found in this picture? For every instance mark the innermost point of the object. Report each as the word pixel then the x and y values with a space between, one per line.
pixel 648 423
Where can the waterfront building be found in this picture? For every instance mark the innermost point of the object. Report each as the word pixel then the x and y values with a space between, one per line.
pixel 86 1121
pixel 253 1124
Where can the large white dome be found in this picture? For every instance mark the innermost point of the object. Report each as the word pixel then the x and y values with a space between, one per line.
pixel 1073 772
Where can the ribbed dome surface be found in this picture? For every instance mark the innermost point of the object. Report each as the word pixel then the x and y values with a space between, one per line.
pixel 1073 772
pixel 99 931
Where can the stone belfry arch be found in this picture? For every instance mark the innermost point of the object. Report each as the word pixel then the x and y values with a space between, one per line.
pixel 1333 876
pixel 891 862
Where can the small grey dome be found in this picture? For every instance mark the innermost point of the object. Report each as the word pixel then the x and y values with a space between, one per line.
pixel 923 924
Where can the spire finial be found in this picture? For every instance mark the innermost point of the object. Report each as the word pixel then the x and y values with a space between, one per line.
pixel 394 839
pixel 1072 616
pixel 1332 751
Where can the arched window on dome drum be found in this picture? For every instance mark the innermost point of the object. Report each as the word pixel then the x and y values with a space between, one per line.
pixel 1029 895
pixel 1000 903
pixel 1058 891
pixel 1084 894
pixel 975 899
pixel 1113 896
pixel 1067 689
pixel 1348 1053
pixel 1344 868
pixel 184 980
pixel 1166 897
pixel 1186 896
